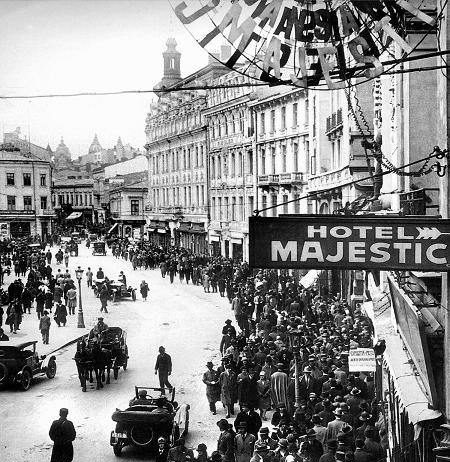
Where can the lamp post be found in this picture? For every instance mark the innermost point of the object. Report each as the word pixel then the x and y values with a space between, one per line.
pixel 294 339
pixel 79 273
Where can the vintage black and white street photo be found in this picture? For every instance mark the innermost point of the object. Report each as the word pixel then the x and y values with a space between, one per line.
pixel 224 230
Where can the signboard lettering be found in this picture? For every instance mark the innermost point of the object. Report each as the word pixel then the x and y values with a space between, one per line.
pixel 361 360
pixel 301 43
pixel 323 242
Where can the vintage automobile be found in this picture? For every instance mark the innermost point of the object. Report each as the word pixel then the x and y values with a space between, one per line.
pixel 20 362
pixel 99 248
pixel 139 426
pixel 119 290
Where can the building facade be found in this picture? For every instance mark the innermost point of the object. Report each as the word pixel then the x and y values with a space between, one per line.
pixel 177 158
pixel 127 197
pixel 282 149
pixel 231 165
pixel 25 203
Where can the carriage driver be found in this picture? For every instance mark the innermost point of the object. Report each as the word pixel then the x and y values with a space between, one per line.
pixel 98 329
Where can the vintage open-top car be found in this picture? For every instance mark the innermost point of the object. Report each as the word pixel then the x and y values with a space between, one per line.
pixel 119 290
pixel 142 423
pixel 20 362
pixel 99 248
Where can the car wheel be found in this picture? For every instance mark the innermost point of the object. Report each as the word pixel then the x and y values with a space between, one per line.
pixel 25 382
pixel 117 448
pixel 51 369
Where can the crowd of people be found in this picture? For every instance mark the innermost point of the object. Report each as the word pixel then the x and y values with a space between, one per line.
pixel 282 330
pixel 36 284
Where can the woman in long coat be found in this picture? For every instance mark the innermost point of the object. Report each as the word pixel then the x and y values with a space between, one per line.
pixel 60 315
pixel 228 390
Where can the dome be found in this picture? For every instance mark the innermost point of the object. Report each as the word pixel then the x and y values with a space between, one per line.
pixel 95 146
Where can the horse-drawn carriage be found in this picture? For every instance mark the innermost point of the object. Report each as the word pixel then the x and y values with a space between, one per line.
pixel 97 355
pixel 145 420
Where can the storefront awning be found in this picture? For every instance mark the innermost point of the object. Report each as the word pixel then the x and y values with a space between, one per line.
pixel 310 278
pixel 74 215
pixel 113 227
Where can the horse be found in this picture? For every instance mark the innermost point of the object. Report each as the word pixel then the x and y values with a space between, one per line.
pixel 85 363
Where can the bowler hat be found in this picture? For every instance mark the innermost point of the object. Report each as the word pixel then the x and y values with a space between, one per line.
pixel 222 423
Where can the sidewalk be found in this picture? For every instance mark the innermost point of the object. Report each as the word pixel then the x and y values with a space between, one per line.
pixel 59 336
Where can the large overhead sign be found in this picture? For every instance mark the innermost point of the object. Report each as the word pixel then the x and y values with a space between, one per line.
pixel 303 43
pixel 357 242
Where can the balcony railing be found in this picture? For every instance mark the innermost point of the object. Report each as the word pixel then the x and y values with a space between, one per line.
pixel 334 121
pixel 281 178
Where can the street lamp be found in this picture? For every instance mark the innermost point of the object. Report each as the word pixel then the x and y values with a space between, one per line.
pixel 294 340
pixel 79 273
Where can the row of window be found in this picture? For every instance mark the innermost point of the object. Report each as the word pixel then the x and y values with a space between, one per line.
pixel 232 165
pixel 185 196
pixel 26 179
pixel 283 118
pixel 173 161
pixel 27 203
pixel 75 199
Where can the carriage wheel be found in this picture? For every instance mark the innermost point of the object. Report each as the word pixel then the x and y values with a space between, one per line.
pixel 25 382
pixel 51 369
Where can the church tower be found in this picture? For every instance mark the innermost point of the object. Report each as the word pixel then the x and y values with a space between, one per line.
pixel 172 58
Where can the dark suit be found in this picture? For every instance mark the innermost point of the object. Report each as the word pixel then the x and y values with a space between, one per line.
pixel 161 456
pixel 225 445
pixel 308 385
pixel 62 432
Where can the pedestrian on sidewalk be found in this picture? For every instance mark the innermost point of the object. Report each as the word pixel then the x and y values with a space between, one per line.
pixel 103 296
pixel 66 259
pixel 60 315
pixel 211 380
pixel 144 290
pixel 163 368
pixel 40 303
pixel 44 327
pixel 163 268
pixel 72 300
pixel 62 433
pixel 49 301
pixel 89 276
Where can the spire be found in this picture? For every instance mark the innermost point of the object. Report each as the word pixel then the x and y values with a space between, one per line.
pixel 172 58
pixel 48 148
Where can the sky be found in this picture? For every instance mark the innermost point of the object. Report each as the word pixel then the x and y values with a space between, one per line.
pixel 57 46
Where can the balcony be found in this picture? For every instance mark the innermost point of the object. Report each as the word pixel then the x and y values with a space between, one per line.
pixel 286 180
pixel 334 123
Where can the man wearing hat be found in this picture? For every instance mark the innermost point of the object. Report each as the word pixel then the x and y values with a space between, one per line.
pixel 330 455
pixel 335 426
pixel 244 443
pixel 307 384
pixel 163 368
pixel 180 453
pixel 211 380
pixel 201 453
pixel 141 398
pixel 163 450
pixel 228 328
pixel 225 443
pixel 315 448
pixel 62 432
pixel 44 327
pixel 262 453
pixel 281 452
pixel 99 328
pixel 264 438
pixel 353 402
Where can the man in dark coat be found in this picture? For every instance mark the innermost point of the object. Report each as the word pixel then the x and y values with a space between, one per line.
pixel 225 443
pixel 163 367
pixel 62 432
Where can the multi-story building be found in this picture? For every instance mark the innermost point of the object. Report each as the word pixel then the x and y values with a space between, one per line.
pixel 127 197
pixel 231 164
pixel 72 196
pixel 282 149
pixel 25 203
pixel 336 155
pixel 177 155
